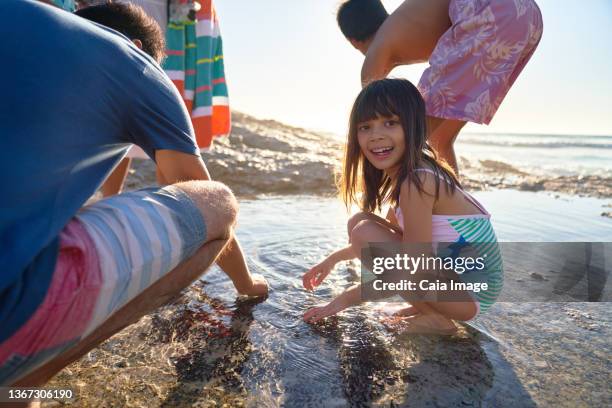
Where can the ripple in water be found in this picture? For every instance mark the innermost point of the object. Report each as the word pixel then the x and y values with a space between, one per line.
pixel 209 348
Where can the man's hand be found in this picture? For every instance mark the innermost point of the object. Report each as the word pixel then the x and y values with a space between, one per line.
pixel 259 287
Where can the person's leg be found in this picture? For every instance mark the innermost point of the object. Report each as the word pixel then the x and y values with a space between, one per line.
pixel 372 230
pixel 442 135
pixel 160 293
pixel 114 183
pixel 364 228
pixel 146 229
pixel 356 218
pixel 436 316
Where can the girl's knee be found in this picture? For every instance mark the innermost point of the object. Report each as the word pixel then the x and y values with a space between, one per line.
pixel 361 230
pixel 354 220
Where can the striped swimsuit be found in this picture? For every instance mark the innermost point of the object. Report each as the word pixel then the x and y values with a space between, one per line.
pixel 475 233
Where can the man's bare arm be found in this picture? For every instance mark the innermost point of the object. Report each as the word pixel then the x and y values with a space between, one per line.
pixel 408 36
pixel 377 64
pixel 174 167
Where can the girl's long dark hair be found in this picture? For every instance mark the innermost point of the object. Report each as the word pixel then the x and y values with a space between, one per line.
pixel 385 98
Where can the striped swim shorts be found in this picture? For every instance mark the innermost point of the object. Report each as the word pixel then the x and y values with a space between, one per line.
pixel 110 252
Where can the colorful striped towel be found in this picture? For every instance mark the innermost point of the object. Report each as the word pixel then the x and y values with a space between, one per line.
pixel 68 5
pixel 195 65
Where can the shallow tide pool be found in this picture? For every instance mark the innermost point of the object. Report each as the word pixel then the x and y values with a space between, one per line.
pixel 209 348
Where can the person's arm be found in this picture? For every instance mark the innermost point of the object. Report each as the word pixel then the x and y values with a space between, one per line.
pixel 173 167
pixel 319 272
pixel 417 229
pixel 392 220
pixel 419 207
pixel 340 255
pixel 382 54
pixel 346 299
pixel 378 62
pixel 408 36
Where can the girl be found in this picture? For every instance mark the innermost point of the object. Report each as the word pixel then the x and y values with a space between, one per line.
pixel 387 160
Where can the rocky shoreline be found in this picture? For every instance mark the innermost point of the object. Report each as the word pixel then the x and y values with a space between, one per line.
pixel 269 157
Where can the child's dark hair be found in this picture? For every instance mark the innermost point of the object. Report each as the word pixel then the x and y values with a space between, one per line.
pixel 132 21
pixel 360 19
pixel 385 98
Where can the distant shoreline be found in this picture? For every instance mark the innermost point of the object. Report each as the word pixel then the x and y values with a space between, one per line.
pixel 269 157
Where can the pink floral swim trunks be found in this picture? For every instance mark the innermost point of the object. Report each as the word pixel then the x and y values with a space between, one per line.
pixel 479 57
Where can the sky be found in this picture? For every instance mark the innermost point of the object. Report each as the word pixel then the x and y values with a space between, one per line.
pixel 288 61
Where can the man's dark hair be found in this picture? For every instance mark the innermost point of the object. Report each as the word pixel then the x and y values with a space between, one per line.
pixel 132 21
pixel 360 19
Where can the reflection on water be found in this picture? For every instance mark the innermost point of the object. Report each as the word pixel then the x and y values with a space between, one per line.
pixel 209 348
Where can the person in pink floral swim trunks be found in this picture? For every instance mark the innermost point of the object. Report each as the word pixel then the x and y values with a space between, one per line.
pixel 476 49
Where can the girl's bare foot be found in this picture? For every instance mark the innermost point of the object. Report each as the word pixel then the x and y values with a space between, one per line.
pixel 424 324
pixel 407 311
pixel 394 322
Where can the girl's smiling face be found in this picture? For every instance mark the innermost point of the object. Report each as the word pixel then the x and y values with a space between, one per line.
pixel 386 142
pixel 382 142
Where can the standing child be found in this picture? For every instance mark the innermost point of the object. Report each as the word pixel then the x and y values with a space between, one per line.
pixel 388 161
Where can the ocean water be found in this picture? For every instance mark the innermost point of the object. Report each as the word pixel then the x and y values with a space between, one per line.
pixel 210 349
pixel 543 155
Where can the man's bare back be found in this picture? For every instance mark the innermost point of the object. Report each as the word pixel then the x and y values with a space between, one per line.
pixel 408 36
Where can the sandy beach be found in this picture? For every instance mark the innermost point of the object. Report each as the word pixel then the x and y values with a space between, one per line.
pixel 210 349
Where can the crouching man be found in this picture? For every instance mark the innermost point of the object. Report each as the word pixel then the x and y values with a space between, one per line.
pixel 76 96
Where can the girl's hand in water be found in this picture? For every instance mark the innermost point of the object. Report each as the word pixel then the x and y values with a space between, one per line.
pixel 317 274
pixel 348 298
pixel 317 313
